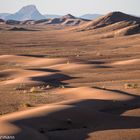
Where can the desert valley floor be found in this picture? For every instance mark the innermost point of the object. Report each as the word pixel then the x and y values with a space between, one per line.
pixel 59 83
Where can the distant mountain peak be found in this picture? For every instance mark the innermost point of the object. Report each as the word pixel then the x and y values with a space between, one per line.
pixel 29 12
pixel 68 16
pixel 29 8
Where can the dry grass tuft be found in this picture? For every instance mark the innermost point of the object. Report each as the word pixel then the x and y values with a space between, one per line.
pixel 130 85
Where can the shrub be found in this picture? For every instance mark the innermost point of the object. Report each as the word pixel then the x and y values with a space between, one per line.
pixel 62 86
pixel 33 90
pixel 20 87
pixel 130 85
pixel 48 87
pixel 27 105
pixel 1 113
pixel 68 62
pixel 69 121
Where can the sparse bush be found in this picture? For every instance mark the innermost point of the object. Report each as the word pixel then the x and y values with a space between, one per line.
pixel 33 90
pixel 135 85
pixel 69 121
pixel 103 87
pixel 62 86
pixel 20 87
pixel 98 54
pixel 43 87
pixel 48 87
pixel 42 130
pixel 130 85
pixel 68 62
pixel 25 91
pixel 27 105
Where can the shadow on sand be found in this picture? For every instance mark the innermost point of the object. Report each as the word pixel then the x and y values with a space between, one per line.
pixel 82 118
pixel 56 79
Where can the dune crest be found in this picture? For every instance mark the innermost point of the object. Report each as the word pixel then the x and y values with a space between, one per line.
pixel 127 62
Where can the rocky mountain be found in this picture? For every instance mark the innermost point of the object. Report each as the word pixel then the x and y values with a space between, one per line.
pixel 29 12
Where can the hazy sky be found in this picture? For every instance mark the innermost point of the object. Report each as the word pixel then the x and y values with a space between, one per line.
pixel 75 7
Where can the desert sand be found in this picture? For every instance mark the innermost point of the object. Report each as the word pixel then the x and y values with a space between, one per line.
pixel 62 82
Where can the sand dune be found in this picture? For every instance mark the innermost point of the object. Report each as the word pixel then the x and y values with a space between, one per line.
pixel 30 76
pixel 74 22
pixel 27 22
pixel 116 134
pixel 109 19
pixel 53 120
pixel 104 112
pixel 23 76
pixel 31 61
pixel 134 29
pixel 71 85
pixel 127 62
pixel 114 24
pixel 19 29
pixel 93 93
pixel 43 69
pixel 132 112
pixel 118 29
pixel 9 129
pixel 70 66
pixel 64 20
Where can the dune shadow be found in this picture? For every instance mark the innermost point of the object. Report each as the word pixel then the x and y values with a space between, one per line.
pixel 123 92
pixel 21 29
pixel 3 75
pixel 56 79
pixel 118 91
pixel 95 62
pixel 103 66
pixel 44 70
pixel 32 55
pixel 85 117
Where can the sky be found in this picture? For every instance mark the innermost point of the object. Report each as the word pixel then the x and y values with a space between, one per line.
pixel 75 7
